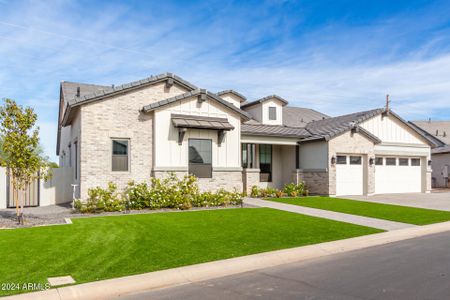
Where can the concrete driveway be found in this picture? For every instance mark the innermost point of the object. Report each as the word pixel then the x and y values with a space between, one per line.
pixel 440 201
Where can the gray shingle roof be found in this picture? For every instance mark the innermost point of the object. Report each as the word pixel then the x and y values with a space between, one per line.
pixel 299 116
pixel 194 93
pixel 69 89
pixel 331 127
pixel 243 98
pixel 274 130
pixel 245 105
pixel 438 129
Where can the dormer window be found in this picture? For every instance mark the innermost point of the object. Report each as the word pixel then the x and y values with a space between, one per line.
pixel 272 113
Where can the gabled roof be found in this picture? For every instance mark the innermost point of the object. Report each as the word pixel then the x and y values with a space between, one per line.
pixel 273 130
pixel 331 127
pixel 100 94
pixel 439 130
pixel 69 89
pixel 239 95
pixel 267 98
pixel 194 93
pixel 299 116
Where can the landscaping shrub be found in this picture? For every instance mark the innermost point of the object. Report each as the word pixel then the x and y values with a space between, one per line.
pixel 290 190
pixel 294 190
pixel 169 192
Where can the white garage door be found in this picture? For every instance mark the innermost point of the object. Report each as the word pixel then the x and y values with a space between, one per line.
pixel 349 175
pixel 398 175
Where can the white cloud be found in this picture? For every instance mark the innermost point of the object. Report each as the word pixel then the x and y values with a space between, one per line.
pixel 336 69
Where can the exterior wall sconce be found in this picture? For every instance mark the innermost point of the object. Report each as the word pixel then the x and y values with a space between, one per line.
pixel 371 161
pixel 429 162
pixel 333 160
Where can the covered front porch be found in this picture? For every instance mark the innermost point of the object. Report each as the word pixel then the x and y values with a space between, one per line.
pixel 269 162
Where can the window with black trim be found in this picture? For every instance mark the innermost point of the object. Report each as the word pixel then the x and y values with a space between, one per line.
pixel 403 162
pixel 120 155
pixel 415 162
pixel 265 163
pixel 390 161
pixel 378 161
pixel 248 156
pixel 200 158
pixel 341 160
pixel 75 154
pixel 355 160
pixel 272 113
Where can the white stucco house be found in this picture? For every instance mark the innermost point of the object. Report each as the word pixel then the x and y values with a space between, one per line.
pixel 165 124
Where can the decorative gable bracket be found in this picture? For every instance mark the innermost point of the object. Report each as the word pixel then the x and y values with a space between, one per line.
pixel 220 137
pixel 169 83
pixel 181 133
pixel 202 96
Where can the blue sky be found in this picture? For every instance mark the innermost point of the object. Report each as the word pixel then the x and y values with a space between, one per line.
pixel 334 56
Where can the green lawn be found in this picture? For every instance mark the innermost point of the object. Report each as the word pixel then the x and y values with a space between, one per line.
pixel 106 247
pixel 404 214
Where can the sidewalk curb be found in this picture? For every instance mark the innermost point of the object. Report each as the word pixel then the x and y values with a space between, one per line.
pixel 110 288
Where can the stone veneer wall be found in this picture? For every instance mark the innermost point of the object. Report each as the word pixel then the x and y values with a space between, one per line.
pixel 228 180
pixel 317 181
pixel 250 177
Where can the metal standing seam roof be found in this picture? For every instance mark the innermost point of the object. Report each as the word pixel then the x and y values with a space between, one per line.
pixel 274 130
pixel 436 130
pixel 194 93
pixel 200 122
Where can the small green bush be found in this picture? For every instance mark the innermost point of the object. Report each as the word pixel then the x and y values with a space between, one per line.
pixel 294 190
pixel 169 192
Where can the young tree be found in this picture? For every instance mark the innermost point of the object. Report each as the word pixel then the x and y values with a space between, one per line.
pixel 21 154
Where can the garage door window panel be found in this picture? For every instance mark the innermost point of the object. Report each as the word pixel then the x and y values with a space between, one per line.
pixel 415 162
pixel 379 161
pixel 355 160
pixel 404 162
pixel 341 160
pixel 391 161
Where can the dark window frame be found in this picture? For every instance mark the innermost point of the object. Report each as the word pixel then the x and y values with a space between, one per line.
pixel 127 155
pixel 265 174
pixel 297 157
pixel 75 158
pixel 200 170
pixel 248 155
pixel 272 113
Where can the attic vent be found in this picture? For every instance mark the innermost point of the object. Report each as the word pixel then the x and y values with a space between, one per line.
pixel 78 91
pixel 437 132
pixel 112 85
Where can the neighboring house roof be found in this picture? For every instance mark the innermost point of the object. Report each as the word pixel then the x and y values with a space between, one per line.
pixel 239 95
pixel 111 91
pixel 273 130
pixel 267 98
pixel 438 129
pixel 197 92
pixel 299 116
pixel 200 122
pixel 441 150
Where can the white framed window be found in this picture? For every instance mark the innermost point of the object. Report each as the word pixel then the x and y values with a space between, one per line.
pixel 272 113
pixel 403 162
pixel 355 160
pixel 379 161
pixel 391 161
pixel 120 155
pixel 415 162
pixel 200 158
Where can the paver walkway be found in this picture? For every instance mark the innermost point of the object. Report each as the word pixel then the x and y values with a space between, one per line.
pixel 364 221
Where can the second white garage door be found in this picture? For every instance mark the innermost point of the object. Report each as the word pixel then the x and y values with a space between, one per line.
pixel 398 175
pixel 349 175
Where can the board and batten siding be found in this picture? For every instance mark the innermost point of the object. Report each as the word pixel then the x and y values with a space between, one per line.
pixel 389 129
pixel 169 154
pixel 265 112
pixel 314 155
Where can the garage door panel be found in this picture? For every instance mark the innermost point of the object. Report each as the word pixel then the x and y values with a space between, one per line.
pixel 349 178
pixel 398 179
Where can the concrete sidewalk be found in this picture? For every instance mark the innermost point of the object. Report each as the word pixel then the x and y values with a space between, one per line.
pixel 115 288
pixel 364 221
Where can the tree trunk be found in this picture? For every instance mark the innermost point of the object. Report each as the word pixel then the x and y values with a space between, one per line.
pixel 24 197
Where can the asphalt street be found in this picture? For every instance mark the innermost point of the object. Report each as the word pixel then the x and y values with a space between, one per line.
pixel 412 269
